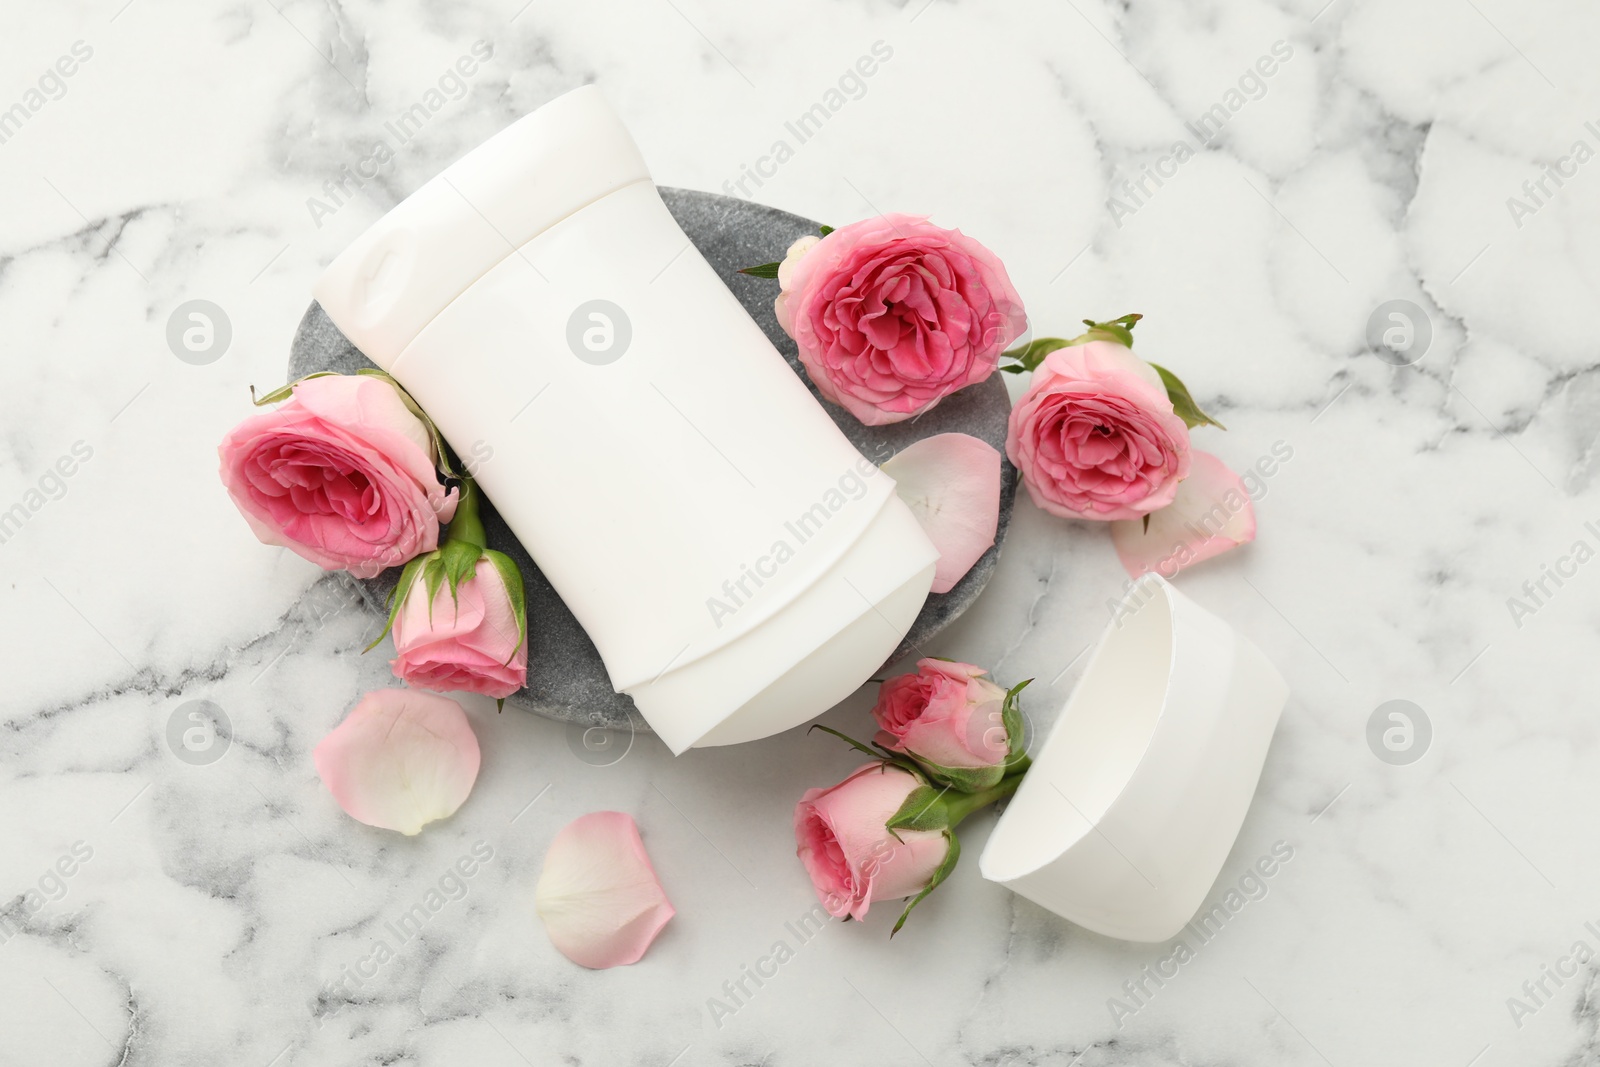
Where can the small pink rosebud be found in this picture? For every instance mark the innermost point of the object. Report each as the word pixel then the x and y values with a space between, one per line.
pixel 848 851
pixel 467 642
pixel 947 715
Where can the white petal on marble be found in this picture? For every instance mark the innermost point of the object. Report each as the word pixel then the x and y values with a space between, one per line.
pixel 951 482
pixel 598 894
pixel 1211 514
pixel 401 759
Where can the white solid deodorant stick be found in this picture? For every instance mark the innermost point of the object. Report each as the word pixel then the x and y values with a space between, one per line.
pixel 738 564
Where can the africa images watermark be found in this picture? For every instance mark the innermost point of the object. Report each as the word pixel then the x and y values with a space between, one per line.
pixel 1536 991
pixel 48 888
pixel 737 992
pixel 451 886
pixel 397 133
pixel 51 485
pixel 804 929
pixel 1251 887
pixel 737 591
pixel 1538 591
pixel 851 85
pixel 50 85
pixel 1538 192
pixel 1207 127
pixel 1204 526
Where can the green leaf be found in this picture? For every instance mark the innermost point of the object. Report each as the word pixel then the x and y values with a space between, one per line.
pixel 1183 403
pixel 921 810
pixel 824 230
pixel 764 270
pixel 847 739
pixel 1146 523
pixel 888 756
pixel 939 876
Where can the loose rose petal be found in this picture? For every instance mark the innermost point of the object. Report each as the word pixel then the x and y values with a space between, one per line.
pixel 598 894
pixel 951 482
pixel 1211 513
pixel 400 760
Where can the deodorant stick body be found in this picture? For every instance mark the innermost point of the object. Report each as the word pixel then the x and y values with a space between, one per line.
pixel 738 564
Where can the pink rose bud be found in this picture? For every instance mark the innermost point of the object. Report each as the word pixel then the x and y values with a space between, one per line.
pixel 850 854
pixel 343 474
pixel 468 642
pixel 1096 435
pixel 893 313
pixel 459 614
pixel 950 718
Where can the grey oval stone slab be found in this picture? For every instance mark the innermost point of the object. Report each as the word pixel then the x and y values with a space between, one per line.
pixel 566 679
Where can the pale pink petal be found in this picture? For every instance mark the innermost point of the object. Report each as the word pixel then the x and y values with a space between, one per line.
pixel 400 760
pixel 1211 513
pixel 951 482
pixel 598 894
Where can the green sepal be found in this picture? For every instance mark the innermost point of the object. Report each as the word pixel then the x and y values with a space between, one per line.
pixel 1011 719
pixel 923 809
pixel 939 876
pixel 1146 523
pixel 824 230
pixel 1029 356
pixel 1118 331
pixel 512 577
pixel 432 580
pixel 764 270
pixel 964 779
pixel 397 596
pixel 877 752
pixel 284 392
pixel 459 561
pixel 441 454
pixel 1183 404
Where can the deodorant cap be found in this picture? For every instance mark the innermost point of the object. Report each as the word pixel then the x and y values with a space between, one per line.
pixel 398 275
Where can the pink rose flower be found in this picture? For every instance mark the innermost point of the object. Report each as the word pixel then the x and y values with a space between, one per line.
pixel 467 644
pixel 1095 436
pixel 342 473
pixel 947 715
pixel 893 313
pixel 851 857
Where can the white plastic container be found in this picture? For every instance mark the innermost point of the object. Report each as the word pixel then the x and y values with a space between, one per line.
pixel 1135 799
pixel 738 564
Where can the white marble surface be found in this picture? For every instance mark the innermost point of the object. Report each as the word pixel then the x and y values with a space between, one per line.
pixel 221 902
